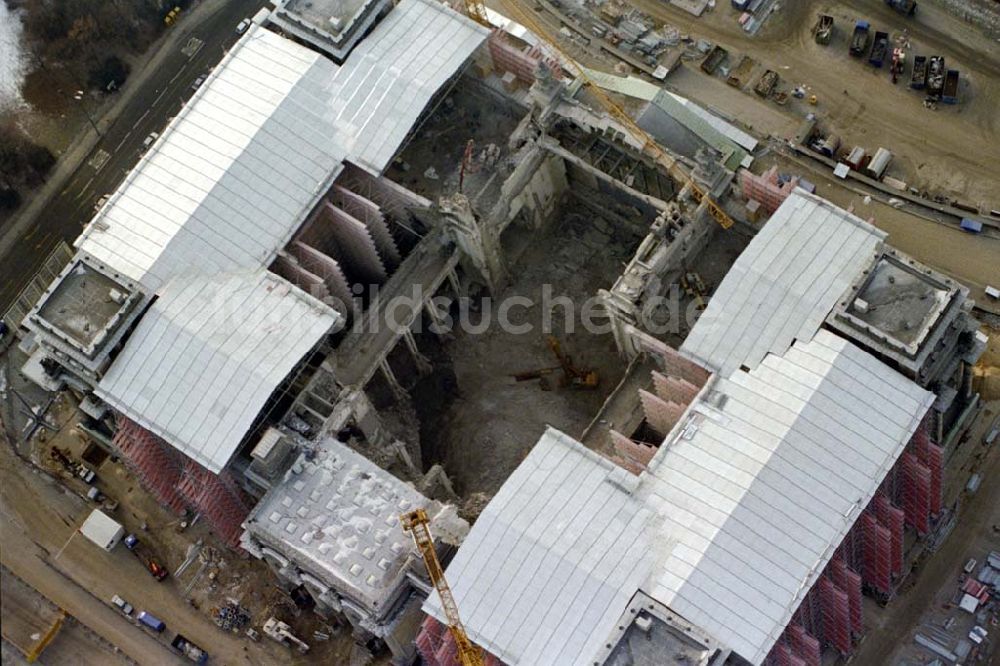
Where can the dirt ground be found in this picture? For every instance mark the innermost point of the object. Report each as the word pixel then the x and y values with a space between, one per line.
pixel 949 150
pixel 485 427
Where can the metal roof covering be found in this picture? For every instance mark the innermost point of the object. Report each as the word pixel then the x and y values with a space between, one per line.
pixel 760 483
pixel 383 87
pixel 232 176
pixel 236 172
pixel 554 558
pixel 208 354
pixel 730 525
pixel 784 284
pixel 337 515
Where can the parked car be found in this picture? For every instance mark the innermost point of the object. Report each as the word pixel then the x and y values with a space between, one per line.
pixel 122 605
pixel 197 82
pixel 149 140
pixel 100 202
pixel 242 26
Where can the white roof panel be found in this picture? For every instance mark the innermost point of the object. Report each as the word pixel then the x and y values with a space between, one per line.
pixel 232 176
pixel 237 171
pixel 383 87
pixel 756 501
pixel 783 285
pixel 553 560
pixel 208 354
pixel 729 526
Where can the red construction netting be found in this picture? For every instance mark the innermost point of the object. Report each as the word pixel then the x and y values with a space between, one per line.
pixel 155 463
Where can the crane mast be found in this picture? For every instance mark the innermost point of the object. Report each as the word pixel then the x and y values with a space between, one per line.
pixel 477 11
pixel 418 525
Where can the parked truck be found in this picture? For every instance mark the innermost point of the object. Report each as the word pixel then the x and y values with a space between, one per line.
pixel 918 81
pixel 935 75
pixel 949 93
pixel 880 49
pixel 859 39
pixel 908 7
pixel 823 30
pixel 189 649
pixel 145 555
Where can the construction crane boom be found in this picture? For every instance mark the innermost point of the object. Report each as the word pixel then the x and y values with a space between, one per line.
pixel 477 11
pixel 418 525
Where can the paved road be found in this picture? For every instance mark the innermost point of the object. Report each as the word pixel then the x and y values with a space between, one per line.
pixel 27 613
pixel 159 97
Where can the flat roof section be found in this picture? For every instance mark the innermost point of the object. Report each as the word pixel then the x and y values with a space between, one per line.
pixel 900 301
pixel 331 16
pixel 84 306
pixel 336 514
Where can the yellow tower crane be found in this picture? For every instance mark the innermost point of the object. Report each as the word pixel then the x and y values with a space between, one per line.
pixel 477 12
pixel 418 525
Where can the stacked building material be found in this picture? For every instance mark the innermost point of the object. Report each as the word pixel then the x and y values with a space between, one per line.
pixel 522 62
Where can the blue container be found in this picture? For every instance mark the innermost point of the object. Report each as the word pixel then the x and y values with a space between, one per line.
pixel 972 226
pixel 151 622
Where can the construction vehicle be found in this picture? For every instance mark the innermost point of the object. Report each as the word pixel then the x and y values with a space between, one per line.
pixel 476 10
pixel 145 555
pixel 572 376
pixel 278 631
pixel 823 30
pixel 859 39
pixel 918 80
pixel 418 525
pixel 908 7
pixel 880 49
pixel 694 287
pixel 189 649
pixel 32 655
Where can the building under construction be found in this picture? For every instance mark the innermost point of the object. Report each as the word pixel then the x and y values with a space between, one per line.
pixel 734 502
pixel 259 316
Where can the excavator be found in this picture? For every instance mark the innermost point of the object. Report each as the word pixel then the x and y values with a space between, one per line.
pixel 572 376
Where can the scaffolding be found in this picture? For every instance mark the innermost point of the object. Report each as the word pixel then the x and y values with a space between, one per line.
pixel 155 463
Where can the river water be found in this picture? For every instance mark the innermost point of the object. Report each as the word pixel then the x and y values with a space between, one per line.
pixel 12 61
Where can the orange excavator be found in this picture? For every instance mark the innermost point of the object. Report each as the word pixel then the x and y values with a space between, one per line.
pixel 572 376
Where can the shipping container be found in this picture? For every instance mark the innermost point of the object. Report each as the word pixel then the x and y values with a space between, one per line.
pixel 102 530
pixel 972 226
